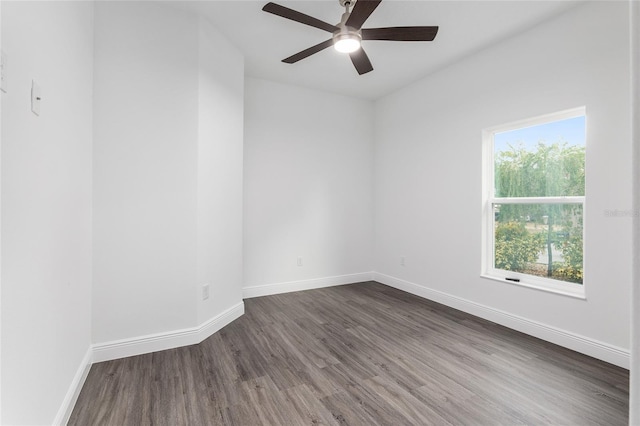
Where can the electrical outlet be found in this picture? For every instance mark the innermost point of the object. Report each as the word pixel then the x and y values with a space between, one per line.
pixel 299 261
pixel 205 291
pixel 36 97
pixel 402 261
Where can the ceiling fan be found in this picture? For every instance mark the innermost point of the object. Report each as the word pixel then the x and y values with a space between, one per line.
pixel 348 34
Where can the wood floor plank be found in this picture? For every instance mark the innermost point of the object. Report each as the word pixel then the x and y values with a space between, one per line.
pixel 360 354
pixel 308 407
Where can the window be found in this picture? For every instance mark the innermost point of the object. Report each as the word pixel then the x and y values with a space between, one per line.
pixel 534 186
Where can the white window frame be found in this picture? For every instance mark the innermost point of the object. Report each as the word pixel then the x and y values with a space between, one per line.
pixel 489 200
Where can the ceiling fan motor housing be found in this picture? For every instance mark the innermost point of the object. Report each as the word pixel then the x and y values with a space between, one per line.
pixel 346 32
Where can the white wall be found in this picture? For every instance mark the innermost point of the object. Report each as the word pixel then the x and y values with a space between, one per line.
pixel 145 169
pixel 308 185
pixel 46 206
pixel 428 168
pixel 220 147
pixel 1 230
pixel 167 172
pixel 634 391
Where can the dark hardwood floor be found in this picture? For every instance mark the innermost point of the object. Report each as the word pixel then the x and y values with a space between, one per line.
pixel 360 354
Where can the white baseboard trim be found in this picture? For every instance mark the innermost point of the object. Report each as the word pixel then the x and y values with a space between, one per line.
pixel 578 343
pixel 69 401
pixel 287 287
pixel 168 340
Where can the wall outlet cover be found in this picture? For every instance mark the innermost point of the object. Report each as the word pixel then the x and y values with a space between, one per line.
pixel 205 291
pixel 36 97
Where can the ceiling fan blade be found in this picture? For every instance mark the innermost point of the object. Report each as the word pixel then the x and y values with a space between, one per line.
pixel 361 61
pixel 308 52
pixel 287 13
pixel 400 33
pixel 361 12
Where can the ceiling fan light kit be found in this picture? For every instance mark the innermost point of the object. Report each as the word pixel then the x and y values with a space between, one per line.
pixel 347 36
pixel 347 41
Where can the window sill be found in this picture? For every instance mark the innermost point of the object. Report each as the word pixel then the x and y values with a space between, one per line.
pixel 579 292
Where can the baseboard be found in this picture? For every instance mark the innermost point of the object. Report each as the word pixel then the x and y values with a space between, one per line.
pixel 578 343
pixel 168 340
pixel 64 413
pixel 216 323
pixel 286 287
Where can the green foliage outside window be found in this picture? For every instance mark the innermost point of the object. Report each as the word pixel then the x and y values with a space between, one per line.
pixel 525 233
pixel 515 247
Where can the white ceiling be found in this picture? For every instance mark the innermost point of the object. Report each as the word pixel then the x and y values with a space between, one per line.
pixel 465 28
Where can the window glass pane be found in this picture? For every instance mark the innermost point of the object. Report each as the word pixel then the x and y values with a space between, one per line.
pixel 539 239
pixel 541 161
